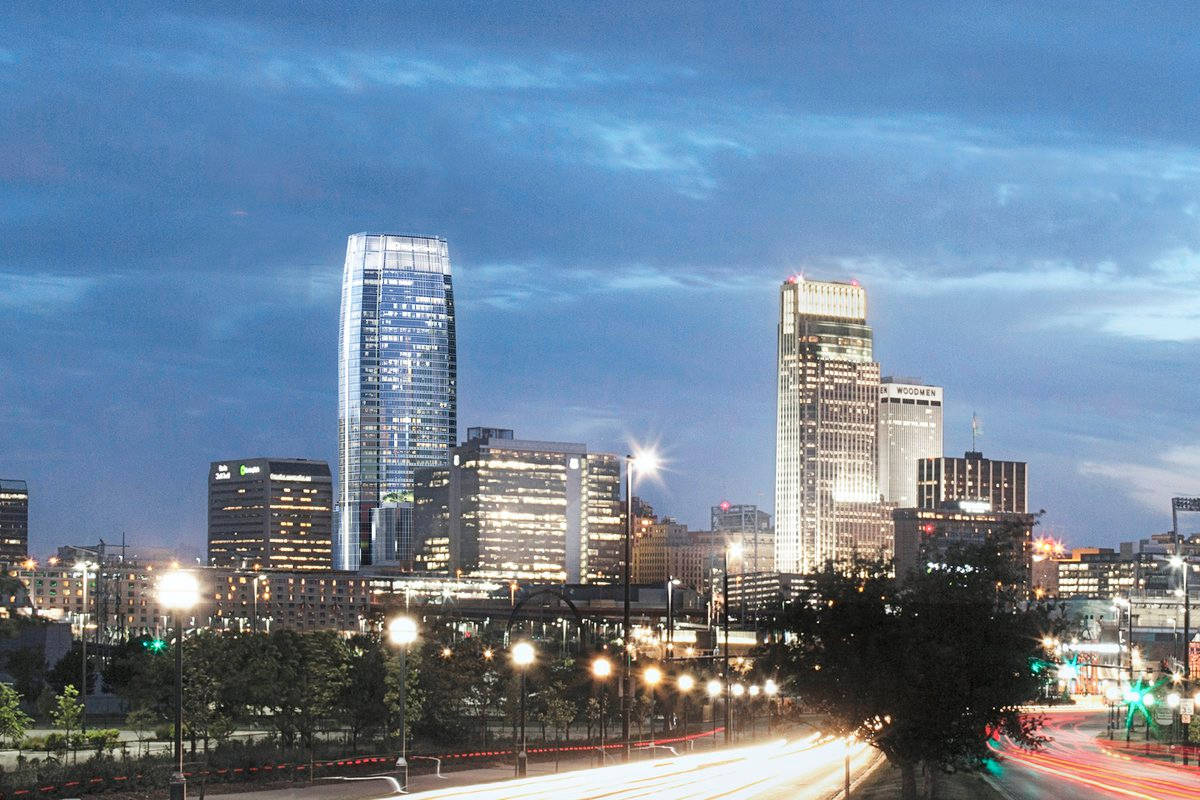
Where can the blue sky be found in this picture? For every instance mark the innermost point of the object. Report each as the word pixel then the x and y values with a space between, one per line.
pixel 623 188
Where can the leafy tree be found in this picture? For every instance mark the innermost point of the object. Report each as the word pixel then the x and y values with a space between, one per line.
pixel 558 712
pixel 140 720
pixel 67 670
pixel 13 721
pixel 363 694
pixel 28 668
pixel 68 711
pixel 927 670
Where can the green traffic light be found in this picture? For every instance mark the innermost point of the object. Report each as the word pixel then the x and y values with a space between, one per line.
pixel 156 645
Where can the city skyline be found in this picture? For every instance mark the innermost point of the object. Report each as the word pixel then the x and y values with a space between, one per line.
pixel 595 216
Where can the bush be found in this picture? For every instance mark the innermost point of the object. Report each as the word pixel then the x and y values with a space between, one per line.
pixel 164 733
pixel 103 739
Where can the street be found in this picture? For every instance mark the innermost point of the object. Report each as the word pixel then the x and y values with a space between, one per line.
pixel 1074 767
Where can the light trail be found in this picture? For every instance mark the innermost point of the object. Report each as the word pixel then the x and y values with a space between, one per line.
pixel 737 774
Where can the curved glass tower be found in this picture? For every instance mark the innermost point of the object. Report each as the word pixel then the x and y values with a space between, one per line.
pixel 397 383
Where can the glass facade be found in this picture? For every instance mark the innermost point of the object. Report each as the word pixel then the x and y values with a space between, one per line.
pixel 827 505
pixel 14 520
pixel 397 382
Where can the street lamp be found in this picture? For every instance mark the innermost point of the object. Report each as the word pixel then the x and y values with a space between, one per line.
pixel 669 647
pixel 178 591
pixel 731 549
pixel 770 689
pixel 714 688
pixel 83 569
pixel 685 683
pixel 601 670
pixel 652 676
pixel 1181 563
pixel 402 631
pixel 643 462
pixel 522 656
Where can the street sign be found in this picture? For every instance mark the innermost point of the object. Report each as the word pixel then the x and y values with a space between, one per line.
pixel 1187 706
pixel 1164 714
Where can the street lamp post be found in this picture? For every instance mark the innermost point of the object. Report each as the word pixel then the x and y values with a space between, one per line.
pixel 714 690
pixel 770 689
pixel 522 656
pixel 670 644
pixel 735 550
pixel 1180 562
pixel 652 676
pixel 685 683
pixel 178 591
pixel 84 569
pixel 402 631
pixel 601 669
pixel 737 690
pixel 646 462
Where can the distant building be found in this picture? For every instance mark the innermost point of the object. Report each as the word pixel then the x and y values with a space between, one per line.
pixel 507 508
pixel 909 429
pixel 1096 572
pixel 997 485
pixel 270 513
pixel 827 507
pixel 650 545
pixel 925 535
pixel 14 520
pixel 750 529
pixel 397 380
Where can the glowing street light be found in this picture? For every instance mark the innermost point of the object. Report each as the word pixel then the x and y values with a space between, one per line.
pixel 402 631
pixel 738 690
pixel 685 683
pixel 523 655
pixel 652 676
pixel 642 462
pixel 178 591
pixel 601 668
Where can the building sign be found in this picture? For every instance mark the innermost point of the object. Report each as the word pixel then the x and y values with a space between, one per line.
pixel 909 390
pixel 222 473
pixel 279 476
pixel 244 470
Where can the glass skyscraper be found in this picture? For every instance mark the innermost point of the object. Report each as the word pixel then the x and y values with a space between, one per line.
pixel 397 382
pixel 827 503
pixel 910 428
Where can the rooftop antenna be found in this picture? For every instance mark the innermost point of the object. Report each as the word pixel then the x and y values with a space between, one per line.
pixel 976 432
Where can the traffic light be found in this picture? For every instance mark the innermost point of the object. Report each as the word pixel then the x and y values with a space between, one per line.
pixel 155 645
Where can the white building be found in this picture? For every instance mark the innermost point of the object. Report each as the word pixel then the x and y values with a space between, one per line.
pixel 827 502
pixel 910 428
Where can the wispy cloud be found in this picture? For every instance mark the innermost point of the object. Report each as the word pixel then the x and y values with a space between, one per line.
pixel 43 293
pixel 1176 472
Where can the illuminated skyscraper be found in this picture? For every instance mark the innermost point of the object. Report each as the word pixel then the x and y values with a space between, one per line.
pixel 910 428
pixel 520 509
pixel 14 520
pixel 397 383
pixel 826 491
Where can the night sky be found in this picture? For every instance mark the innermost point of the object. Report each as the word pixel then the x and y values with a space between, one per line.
pixel 623 190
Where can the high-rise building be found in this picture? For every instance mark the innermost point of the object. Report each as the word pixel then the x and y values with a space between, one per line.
pixel 14 520
pixel 994 485
pixel 910 428
pixel 651 542
pixel 827 506
pixel 270 513
pixel 397 382
pixel 508 508
pixel 925 535
pixel 750 529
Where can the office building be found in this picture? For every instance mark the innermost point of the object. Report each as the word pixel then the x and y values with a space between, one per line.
pixel 748 528
pixel 270 513
pixel 508 508
pixel 1096 572
pixel 909 429
pixel 827 507
pixel 925 536
pixel 991 485
pixel 397 381
pixel 14 520
pixel 649 549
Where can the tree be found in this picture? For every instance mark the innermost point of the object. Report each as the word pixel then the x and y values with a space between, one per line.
pixel 363 694
pixel 928 670
pixel 13 721
pixel 140 720
pixel 68 711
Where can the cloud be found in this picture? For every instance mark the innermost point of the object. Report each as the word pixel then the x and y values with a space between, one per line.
pixel 43 293
pixel 1176 473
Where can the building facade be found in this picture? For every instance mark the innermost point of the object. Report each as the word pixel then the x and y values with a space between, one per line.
pixel 1000 485
pixel 925 536
pixel 649 550
pixel 397 380
pixel 270 513
pixel 750 529
pixel 827 505
pixel 507 508
pixel 14 520
pixel 909 429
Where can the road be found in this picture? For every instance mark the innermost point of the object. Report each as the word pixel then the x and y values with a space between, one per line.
pixel 793 770
pixel 1074 767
